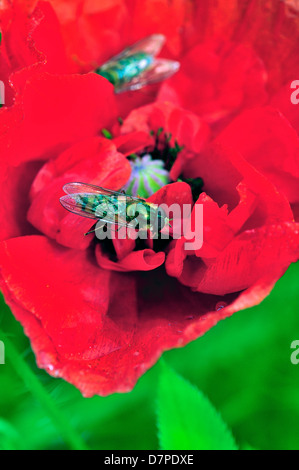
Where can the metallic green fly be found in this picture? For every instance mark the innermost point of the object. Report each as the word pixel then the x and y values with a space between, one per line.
pixel 137 66
pixel 114 208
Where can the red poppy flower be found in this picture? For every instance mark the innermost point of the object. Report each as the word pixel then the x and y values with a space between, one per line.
pixel 97 315
pixel 100 313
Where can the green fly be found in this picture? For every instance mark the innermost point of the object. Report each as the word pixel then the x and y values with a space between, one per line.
pixel 137 66
pixel 113 208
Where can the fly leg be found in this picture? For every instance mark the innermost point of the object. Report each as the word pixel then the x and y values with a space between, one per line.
pixel 97 227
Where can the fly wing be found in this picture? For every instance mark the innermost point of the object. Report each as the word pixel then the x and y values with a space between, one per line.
pixel 76 188
pixel 74 203
pixel 90 206
pixel 160 70
pixel 150 45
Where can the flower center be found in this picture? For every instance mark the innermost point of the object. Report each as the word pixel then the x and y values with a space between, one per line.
pixel 151 169
pixel 148 176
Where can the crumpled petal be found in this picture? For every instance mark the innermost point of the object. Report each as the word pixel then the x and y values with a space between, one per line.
pixel 270 248
pixel 268 142
pixel 142 260
pixel 102 165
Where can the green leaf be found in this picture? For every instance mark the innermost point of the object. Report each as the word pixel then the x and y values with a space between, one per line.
pixel 9 437
pixel 186 418
pixel 40 393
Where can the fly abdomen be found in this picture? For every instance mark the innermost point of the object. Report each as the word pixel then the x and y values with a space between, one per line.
pixel 125 69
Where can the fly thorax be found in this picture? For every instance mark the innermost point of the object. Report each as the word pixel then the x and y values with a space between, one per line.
pixel 137 209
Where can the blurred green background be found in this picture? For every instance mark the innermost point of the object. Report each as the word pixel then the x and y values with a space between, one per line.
pixel 242 366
